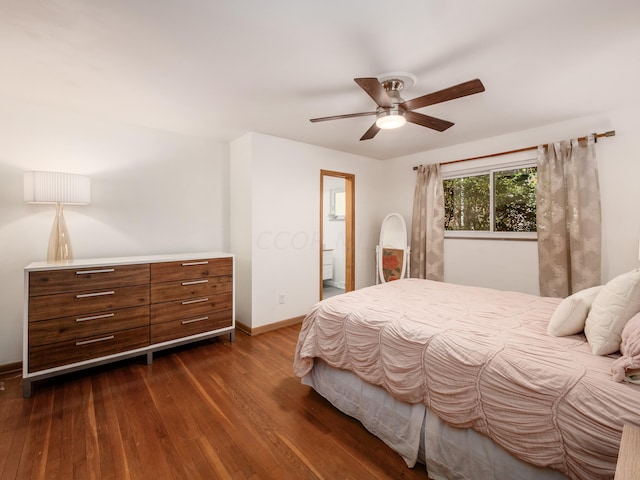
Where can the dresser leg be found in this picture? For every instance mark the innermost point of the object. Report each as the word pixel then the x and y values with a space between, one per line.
pixel 232 336
pixel 149 358
pixel 26 388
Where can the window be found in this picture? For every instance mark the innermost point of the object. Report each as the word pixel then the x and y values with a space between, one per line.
pixel 493 202
pixel 337 204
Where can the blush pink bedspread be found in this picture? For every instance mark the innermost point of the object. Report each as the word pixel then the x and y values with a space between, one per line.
pixel 480 358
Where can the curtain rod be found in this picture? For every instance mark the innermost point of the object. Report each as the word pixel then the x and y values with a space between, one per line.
pixel 610 133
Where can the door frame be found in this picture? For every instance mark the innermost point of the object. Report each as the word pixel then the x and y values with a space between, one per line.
pixel 349 224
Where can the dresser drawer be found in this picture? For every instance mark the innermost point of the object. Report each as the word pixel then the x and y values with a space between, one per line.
pixel 171 330
pixel 86 302
pixel 73 328
pixel 51 282
pixel 72 351
pixel 181 309
pixel 168 291
pixel 191 269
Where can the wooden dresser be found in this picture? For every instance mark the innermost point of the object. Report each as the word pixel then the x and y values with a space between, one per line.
pixel 84 313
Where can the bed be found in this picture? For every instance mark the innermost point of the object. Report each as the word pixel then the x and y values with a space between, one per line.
pixel 467 381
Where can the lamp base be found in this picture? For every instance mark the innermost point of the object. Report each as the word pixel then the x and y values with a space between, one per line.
pixel 59 243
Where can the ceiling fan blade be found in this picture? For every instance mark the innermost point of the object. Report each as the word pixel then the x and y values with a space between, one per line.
pixel 376 91
pixel 457 91
pixel 369 134
pixel 428 121
pixel 337 117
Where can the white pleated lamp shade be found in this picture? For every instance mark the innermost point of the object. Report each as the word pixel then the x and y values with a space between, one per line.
pixel 57 187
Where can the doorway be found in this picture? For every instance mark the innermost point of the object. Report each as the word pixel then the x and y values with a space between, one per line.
pixel 337 242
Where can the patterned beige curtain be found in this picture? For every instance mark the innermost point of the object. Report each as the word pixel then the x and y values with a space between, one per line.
pixel 427 226
pixel 568 216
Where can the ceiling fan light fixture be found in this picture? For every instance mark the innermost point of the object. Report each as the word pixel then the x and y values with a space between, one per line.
pixel 394 118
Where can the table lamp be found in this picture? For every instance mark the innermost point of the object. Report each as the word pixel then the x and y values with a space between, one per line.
pixel 59 189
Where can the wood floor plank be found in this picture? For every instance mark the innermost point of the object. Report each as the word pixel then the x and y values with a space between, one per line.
pixel 212 410
pixel 37 440
pixel 60 446
pixel 14 415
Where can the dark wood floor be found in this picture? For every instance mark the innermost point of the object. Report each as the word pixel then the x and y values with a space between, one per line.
pixel 214 410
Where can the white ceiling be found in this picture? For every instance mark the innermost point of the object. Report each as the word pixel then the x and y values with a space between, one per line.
pixel 219 68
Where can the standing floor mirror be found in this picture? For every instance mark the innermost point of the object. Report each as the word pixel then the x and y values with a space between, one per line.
pixel 392 251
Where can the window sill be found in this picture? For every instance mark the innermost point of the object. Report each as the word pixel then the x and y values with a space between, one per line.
pixel 476 235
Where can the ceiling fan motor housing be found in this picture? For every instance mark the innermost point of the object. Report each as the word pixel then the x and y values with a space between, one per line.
pixel 391 117
pixel 393 88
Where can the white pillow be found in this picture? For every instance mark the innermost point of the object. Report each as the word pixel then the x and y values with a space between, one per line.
pixel 570 316
pixel 613 307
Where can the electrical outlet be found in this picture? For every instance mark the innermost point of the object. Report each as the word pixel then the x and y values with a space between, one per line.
pixel 281 298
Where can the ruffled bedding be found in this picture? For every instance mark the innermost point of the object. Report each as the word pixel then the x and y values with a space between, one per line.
pixel 480 358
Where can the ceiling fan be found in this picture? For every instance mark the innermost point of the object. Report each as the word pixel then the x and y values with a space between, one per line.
pixel 393 111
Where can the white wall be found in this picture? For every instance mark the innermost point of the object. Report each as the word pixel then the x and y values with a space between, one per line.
pixel 512 265
pixel 285 221
pixel 240 224
pixel 152 192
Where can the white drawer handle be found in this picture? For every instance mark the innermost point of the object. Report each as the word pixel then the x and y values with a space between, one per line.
pixel 104 270
pixel 97 294
pixel 197 300
pixel 87 342
pixel 194 282
pixel 191 264
pixel 184 322
pixel 95 317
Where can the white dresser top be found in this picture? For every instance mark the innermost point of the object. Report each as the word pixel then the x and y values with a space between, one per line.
pixel 96 262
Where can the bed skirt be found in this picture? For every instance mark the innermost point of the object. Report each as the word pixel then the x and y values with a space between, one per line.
pixel 418 435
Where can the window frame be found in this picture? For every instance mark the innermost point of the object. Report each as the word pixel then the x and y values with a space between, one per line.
pixel 337 206
pixel 455 171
